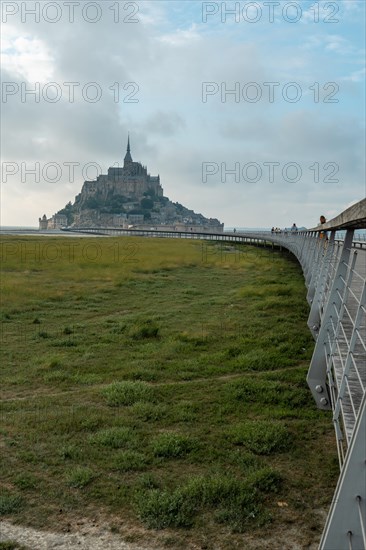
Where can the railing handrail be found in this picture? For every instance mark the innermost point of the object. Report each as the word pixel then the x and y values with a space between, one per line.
pixel 352 218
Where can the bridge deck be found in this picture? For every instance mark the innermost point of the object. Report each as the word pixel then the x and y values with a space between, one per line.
pixel 348 349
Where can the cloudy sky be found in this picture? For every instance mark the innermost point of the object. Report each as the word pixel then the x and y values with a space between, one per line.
pixel 251 112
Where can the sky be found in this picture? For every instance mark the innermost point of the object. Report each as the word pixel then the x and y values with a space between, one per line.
pixel 251 112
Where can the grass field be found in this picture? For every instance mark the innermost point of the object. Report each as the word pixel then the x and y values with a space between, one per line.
pixel 160 383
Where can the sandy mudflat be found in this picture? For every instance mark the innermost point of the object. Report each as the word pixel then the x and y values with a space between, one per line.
pixel 90 537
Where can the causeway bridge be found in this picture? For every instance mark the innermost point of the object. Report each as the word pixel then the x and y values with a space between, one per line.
pixel 335 275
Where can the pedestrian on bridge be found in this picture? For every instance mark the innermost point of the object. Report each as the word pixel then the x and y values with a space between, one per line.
pixel 323 234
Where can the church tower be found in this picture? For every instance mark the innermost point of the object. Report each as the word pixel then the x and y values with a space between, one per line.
pixel 128 158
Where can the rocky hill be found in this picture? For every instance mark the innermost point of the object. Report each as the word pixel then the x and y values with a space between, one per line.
pixel 128 197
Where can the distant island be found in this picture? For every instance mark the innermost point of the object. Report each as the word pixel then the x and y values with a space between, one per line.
pixel 127 198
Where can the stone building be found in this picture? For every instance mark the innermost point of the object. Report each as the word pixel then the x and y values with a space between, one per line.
pixel 56 222
pixel 43 222
pixel 131 181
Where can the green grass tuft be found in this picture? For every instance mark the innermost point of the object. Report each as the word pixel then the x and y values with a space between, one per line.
pixel 172 445
pixel 261 437
pixel 266 480
pixel 130 461
pixel 79 477
pixel 148 412
pixel 114 438
pixel 127 393
pixel 70 452
pixel 9 503
pixel 146 328
pixel 12 545
pixel 237 503
pixel 25 481
pixel 161 509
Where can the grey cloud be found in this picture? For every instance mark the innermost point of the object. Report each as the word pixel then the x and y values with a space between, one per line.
pixel 164 123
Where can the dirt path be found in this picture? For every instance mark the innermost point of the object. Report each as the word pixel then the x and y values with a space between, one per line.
pixel 90 537
pixel 84 389
pixel 96 537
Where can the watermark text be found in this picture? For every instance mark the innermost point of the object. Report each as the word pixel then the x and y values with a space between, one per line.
pixel 253 92
pixel 69 12
pixel 70 92
pixel 269 172
pixel 269 12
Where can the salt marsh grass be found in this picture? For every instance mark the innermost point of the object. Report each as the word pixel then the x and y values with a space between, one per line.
pixel 154 381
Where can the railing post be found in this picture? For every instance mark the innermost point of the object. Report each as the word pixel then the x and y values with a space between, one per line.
pixel 312 252
pixel 317 271
pixel 318 280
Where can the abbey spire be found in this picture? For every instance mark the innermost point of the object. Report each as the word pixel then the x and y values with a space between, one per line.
pixel 128 158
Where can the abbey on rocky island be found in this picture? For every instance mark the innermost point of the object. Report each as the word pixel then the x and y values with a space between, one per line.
pixel 127 197
pixel 130 181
